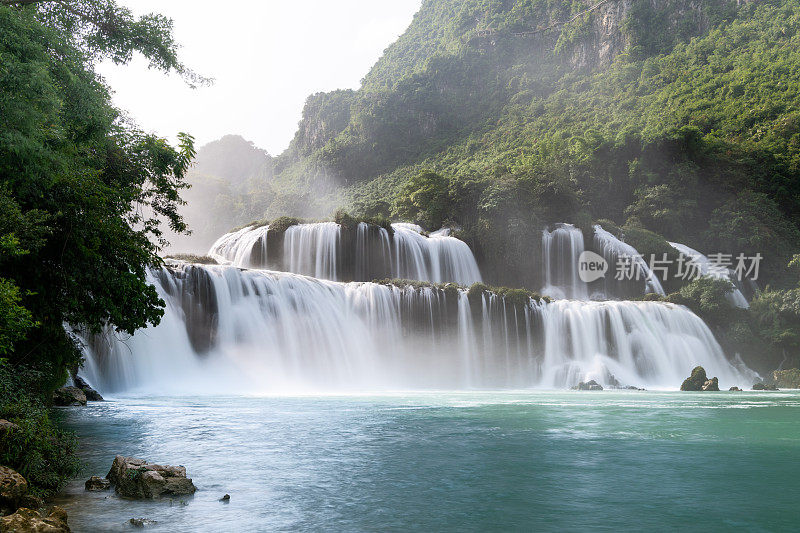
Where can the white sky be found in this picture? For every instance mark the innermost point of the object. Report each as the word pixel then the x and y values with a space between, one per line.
pixel 266 56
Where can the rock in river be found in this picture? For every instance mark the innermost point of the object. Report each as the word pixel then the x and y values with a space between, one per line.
pixel 97 484
pixel 66 396
pixel 711 385
pixel 589 385
pixel 91 394
pixel 136 478
pixel 698 381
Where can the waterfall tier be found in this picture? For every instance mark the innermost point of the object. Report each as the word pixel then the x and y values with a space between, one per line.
pixel 705 268
pixel 365 252
pixel 232 330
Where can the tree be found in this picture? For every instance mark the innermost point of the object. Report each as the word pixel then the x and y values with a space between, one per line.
pixel 424 199
pixel 82 190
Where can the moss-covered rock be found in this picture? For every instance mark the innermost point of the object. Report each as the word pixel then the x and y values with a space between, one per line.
pixel 764 386
pixel 281 224
pixel 66 396
pixel 193 258
pixel 696 381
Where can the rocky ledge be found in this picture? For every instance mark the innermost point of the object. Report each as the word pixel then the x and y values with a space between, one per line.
pixel 67 396
pixel 29 521
pixel 20 507
pixel 136 478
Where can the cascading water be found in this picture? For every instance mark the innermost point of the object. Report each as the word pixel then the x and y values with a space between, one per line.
pixel 230 330
pixel 705 268
pixel 311 249
pixel 614 250
pixel 324 251
pixel 561 249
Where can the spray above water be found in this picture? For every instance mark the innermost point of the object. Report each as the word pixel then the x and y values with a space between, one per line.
pixel 228 330
pixel 326 250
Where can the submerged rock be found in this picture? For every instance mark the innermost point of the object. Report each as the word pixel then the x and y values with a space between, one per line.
pixel 142 522
pixel 97 484
pixel 589 385
pixel 66 396
pixel 13 488
pixel 764 386
pixel 91 394
pixel 698 381
pixel 787 379
pixel 27 520
pixel 225 498
pixel 136 478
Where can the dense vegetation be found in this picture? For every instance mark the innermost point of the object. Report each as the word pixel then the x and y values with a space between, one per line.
pixel 82 196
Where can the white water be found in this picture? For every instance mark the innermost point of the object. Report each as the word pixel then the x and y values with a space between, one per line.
pixel 312 249
pixel 231 331
pixel 316 250
pixel 561 249
pixel 706 269
pixel 613 249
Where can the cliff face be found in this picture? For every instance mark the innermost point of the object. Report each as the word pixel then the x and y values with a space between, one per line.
pixel 460 64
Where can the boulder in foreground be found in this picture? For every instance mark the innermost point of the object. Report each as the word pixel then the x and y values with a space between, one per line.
pixel 136 478
pixel 13 488
pixel 27 520
pixel 66 396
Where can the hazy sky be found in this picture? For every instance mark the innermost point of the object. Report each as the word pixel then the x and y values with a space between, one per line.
pixel 266 56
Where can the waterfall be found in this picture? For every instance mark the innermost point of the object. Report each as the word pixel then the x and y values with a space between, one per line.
pixel 706 269
pixel 228 330
pixel 326 250
pixel 311 249
pixel 437 258
pixel 241 247
pixel 613 250
pixel 561 249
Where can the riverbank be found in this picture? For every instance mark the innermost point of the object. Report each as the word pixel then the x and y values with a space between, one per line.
pixel 470 461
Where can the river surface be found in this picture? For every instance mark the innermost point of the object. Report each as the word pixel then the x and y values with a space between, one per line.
pixel 542 460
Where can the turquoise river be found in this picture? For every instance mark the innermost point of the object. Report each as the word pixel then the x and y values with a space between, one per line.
pixel 452 461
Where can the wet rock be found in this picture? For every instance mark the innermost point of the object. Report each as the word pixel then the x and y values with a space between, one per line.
pixel 225 498
pixel 735 389
pixel 91 394
pixel 97 484
pixel 136 478
pixel 764 386
pixel 698 381
pixel 589 385
pixel 13 488
pixel 29 521
pixel 787 379
pixel 142 522
pixel 66 396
